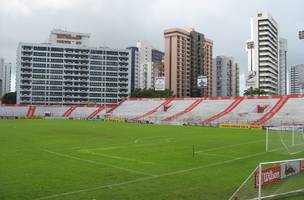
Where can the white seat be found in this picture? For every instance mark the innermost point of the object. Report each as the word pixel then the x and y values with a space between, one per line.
pixel 135 108
pixel 291 113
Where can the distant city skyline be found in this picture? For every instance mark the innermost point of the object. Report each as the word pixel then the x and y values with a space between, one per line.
pixel 121 23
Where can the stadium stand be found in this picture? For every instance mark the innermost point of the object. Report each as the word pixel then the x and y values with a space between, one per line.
pixel 205 110
pixel 136 108
pixel 99 111
pixel 234 104
pixel 292 112
pixel 170 109
pixel 13 111
pixel 164 105
pixel 263 110
pixel 69 111
pixel 84 112
pixel 187 110
pixel 248 112
pixel 31 111
pixel 51 111
pixel 273 111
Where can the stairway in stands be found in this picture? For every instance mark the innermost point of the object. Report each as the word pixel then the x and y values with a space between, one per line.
pixel 187 110
pixel 167 102
pixel 116 106
pixel 31 111
pixel 235 103
pixel 96 112
pixel 276 108
pixel 69 111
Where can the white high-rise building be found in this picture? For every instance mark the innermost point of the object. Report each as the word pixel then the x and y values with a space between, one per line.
pixel 262 50
pixel 71 73
pixel 149 63
pixel 145 74
pixel 283 69
pixel 5 77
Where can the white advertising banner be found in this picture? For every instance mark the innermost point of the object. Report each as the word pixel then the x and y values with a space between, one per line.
pixel 290 168
pixel 159 84
pixel 202 81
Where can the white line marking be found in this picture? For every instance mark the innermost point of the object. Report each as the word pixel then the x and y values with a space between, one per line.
pixel 217 155
pixel 127 146
pixel 150 178
pixel 228 146
pixel 136 141
pixel 98 163
pixel 120 158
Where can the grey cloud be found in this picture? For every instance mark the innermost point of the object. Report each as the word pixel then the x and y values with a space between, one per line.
pixel 120 23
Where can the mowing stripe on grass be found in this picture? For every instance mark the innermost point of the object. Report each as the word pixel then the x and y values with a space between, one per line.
pixel 154 177
pixel 98 163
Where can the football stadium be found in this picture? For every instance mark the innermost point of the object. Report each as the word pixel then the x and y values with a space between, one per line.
pixel 151 100
pixel 175 148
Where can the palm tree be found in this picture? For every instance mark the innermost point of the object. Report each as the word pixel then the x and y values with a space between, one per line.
pixel 254 92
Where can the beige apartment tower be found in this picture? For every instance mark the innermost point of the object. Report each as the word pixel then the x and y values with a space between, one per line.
pixel 188 63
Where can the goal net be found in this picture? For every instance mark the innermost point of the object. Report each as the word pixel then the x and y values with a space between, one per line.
pixel 285 139
pixel 273 180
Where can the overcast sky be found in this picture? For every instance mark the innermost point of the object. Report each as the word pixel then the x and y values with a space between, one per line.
pixel 120 23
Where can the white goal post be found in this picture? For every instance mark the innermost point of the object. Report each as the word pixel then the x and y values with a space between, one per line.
pixel 288 139
pixel 273 180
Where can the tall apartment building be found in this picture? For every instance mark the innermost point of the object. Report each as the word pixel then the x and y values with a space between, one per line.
pixel 5 77
pixel 148 58
pixel 158 65
pixel 145 65
pixel 297 79
pixel 225 77
pixel 262 50
pixel 283 69
pixel 207 69
pixel 134 68
pixel 64 73
pixel 188 61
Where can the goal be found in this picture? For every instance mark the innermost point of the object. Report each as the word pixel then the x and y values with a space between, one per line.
pixel 273 180
pixel 286 139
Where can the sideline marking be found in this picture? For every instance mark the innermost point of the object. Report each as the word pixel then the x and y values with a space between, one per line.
pixel 218 155
pixel 151 178
pixel 98 163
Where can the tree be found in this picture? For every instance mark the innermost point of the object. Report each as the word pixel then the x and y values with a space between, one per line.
pixel 254 92
pixel 9 98
pixel 151 93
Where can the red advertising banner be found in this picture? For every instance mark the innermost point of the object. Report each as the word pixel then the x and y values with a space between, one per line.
pixel 269 176
pixel 302 165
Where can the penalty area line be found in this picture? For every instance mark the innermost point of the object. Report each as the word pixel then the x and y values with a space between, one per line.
pixel 228 146
pixel 151 178
pixel 120 158
pixel 98 163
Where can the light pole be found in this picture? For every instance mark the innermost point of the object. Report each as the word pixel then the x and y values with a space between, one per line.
pixel 250 45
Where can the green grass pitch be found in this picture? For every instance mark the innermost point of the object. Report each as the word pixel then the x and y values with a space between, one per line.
pixel 79 160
